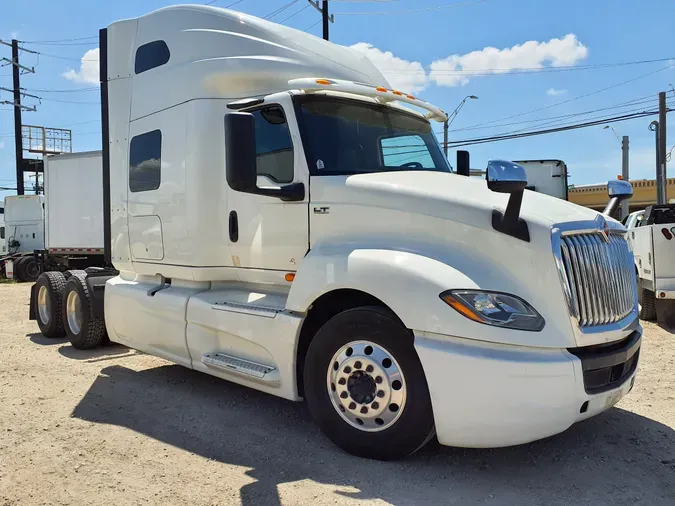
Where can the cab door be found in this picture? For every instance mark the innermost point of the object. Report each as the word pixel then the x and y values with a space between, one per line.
pixel 266 232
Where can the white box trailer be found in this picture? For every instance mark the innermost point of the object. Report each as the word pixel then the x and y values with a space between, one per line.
pixel 74 204
pixel 62 229
pixel 24 231
pixel 546 176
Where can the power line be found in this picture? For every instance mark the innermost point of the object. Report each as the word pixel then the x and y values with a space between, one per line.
pixel 407 11
pixel 93 88
pixel 312 26
pixel 70 101
pixel 57 40
pixel 639 101
pixel 601 90
pixel 528 70
pixel 66 57
pixel 495 138
pixel 293 15
pixel 281 9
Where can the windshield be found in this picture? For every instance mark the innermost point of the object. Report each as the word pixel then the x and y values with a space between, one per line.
pixel 343 136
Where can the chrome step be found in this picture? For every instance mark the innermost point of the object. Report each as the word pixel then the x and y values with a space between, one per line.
pixel 238 365
pixel 251 309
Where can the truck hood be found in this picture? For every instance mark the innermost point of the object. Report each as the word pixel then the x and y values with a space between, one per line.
pixel 448 218
pixel 468 200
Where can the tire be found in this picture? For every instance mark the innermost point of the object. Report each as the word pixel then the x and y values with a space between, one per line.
pixel 378 435
pixel 31 269
pixel 18 269
pixel 646 304
pixel 49 291
pixel 83 329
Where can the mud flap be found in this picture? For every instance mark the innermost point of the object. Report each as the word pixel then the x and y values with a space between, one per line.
pixel 31 309
pixel 665 314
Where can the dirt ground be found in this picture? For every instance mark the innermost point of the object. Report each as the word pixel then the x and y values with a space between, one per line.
pixel 113 426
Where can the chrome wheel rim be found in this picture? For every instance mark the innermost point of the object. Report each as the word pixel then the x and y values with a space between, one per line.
pixel 366 386
pixel 44 307
pixel 74 312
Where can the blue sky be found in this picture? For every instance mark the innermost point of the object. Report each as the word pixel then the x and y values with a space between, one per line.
pixel 437 47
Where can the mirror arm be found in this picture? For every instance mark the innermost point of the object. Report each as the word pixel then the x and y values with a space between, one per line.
pixel 509 222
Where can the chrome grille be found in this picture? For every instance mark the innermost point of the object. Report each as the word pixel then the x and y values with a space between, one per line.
pixel 599 276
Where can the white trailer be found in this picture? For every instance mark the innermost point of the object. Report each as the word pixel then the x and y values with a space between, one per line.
pixel 24 234
pixel 276 215
pixel 546 176
pixel 653 242
pixel 73 211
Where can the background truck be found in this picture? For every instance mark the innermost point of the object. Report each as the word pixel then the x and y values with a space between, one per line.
pixel 653 242
pixel 546 176
pixel 280 217
pixel 73 212
pixel 61 229
pixel 24 234
pixel 543 176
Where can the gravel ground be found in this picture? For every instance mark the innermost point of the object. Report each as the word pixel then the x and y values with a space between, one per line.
pixel 114 426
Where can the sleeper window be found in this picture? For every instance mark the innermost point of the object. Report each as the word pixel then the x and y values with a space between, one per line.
pixel 273 146
pixel 151 55
pixel 145 161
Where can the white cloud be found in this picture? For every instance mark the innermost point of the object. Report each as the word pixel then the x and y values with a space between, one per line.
pixel 456 70
pixel 2 144
pixel 88 72
pixel 408 76
pixel 555 92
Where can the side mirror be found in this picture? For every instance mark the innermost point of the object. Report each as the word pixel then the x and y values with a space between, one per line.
pixel 617 191
pixel 241 160
pixel 463 163
pixel 503 176
pixel 240 156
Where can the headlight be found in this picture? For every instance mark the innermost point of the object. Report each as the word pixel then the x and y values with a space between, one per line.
pixel 494 308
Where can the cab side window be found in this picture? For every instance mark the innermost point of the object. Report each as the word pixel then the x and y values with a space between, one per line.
pixel 145 161
pixel 274 148
pixel 2 232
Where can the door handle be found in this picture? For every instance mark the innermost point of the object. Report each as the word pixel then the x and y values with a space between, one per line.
pixel 234 226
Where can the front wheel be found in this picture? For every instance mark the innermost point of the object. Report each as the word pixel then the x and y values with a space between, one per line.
pixel 365 386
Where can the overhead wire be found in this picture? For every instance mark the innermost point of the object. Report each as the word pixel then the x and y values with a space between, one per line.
pixel 408 11
pixel 514 135
pixel 281 9
pixel 637 101
pixel 294 14
pixel 528 70
pixel 601 90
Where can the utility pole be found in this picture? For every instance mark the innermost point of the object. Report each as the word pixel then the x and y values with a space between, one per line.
pixel 661 176
pixel 625 208
pixel 18 140
pixel 18 108
pixel 654 127
pixel 325 17
pixel 446 126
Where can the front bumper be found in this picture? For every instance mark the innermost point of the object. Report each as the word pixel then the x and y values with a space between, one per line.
pixel 492 395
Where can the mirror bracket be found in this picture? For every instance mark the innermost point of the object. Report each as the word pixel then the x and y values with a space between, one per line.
pixel 508 177
pixel 509 222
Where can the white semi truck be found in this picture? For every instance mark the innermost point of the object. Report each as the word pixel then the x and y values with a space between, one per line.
pixel 24 233
pixel 652 235
pixel 278 216
pixel 62 229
